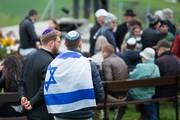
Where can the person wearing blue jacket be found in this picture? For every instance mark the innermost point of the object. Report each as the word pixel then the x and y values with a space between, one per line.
pixel 146 69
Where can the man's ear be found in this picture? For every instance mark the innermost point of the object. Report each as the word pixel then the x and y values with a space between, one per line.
pixel 51 43
pixel 65 42
pixel 80 44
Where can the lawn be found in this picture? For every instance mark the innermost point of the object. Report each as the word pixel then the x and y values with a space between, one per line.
pixel 167 112
pixel 12 11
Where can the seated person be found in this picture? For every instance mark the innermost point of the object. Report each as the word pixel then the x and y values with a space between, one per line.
pixel 146 69
pixel 10 68
pixel 131 55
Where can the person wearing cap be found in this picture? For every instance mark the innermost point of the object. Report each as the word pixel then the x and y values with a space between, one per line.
pixel 75 85
pixel 100 18
pixel 151 35
pixel 146 69
pixel 168 65
pixel 131 55
pixel 123 28
pixel 30 85
pixel 28 37
pixel 107 29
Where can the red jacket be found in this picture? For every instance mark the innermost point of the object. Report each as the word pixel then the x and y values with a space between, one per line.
pixel 176 46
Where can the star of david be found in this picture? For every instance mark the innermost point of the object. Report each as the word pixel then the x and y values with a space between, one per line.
pixel 51 78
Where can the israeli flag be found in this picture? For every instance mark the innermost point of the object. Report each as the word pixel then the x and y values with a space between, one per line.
pixel 68 84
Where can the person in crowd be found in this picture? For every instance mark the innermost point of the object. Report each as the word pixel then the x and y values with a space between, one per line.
pixel 135 33
pixel 114 68
pixel 151 35
pixel 33 75
pixel 100 18
pixel 107 29
pixel 176 46
pixel 53 24
pixel 123 28
pixel 166 35
pixel 159 14
pixel 131 55
pixel 169 65
pixel 168 17
pixel 10 69
pixel 72 69
pixel 28 37
pixel 146 69
pixel 98 58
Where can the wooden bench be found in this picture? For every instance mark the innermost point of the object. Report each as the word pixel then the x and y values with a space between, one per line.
pixel 125 85
pixel 10 97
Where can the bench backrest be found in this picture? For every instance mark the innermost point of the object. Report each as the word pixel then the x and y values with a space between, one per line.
pixel 124 85
pixel 8 97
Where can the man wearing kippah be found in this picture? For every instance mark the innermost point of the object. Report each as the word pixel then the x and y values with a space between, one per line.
pixel 72 84
pixel 33 75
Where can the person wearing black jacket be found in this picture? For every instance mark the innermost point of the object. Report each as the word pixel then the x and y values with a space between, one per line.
pixel 100 16
pixel 28 37
pixel 123 28
pixel 168 65
pixel 10 68
pixel 151 35
pixel 30 86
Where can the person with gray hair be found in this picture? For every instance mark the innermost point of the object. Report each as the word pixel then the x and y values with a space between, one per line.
pixel 107 29
pixel 168 16
pixel 98 58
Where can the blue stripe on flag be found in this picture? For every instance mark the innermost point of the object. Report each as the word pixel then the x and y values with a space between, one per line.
pixel 70 97
pixel 69 55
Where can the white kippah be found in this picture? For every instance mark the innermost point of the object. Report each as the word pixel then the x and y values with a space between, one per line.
pixel 131 41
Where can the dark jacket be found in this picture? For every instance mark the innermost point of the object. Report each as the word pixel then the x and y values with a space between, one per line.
pixel 5 109
pixel 171 27
pixel 150 37
pixel 99 94
pixel 92 41
pixel 121 31
pixel 27 34
pixel 31 82
pixel 132 58
pixel 168 65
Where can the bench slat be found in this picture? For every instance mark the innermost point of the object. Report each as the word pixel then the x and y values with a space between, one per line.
pixel 118 86
pixel 8 97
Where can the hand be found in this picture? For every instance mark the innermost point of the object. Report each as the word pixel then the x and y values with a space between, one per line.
pixel 24 101
pixel 1 67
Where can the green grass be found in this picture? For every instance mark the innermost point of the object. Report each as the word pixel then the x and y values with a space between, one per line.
pixel 167 112
pixel 13 11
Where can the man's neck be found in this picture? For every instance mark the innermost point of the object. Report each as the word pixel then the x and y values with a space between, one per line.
pixel 46 48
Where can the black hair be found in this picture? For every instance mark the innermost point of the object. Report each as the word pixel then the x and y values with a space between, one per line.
pixel 32 12
pixel 12 70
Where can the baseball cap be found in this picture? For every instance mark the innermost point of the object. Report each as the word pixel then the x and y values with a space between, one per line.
pixel 101 12
pixel 162 43
pixel 72 36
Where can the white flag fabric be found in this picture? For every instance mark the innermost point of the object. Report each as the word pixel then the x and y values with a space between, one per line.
pixel 68 84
